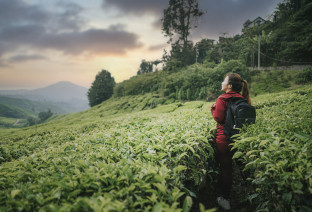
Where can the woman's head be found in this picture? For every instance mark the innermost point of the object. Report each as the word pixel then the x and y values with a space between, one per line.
pixel 234 82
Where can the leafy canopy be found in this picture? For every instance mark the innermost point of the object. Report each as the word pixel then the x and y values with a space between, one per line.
pixel 102 88
pixel 179 18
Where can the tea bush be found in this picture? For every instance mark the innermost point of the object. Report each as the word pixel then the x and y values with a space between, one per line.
pixel 107 160
pixel 277 152
pixel 150 160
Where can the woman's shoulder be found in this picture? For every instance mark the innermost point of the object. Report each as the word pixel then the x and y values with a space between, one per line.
pixel 226 96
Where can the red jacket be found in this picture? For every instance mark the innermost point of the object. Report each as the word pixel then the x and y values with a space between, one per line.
pixel 219 114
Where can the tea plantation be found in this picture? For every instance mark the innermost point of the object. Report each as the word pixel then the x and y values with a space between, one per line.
pixel 157 159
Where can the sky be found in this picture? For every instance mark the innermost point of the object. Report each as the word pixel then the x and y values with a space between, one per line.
pixel 44 42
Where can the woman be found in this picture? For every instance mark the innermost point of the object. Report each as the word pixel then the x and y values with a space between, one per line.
pixel 232 86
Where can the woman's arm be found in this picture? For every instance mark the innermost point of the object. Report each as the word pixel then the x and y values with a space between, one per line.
pixel 218 112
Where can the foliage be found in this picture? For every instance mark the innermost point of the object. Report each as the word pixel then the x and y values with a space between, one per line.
pixel 159 158
pixel 180 56
pixel 139 84
pixel 305 76
pixel 75 167
pixel 285 39
pixel 101 89
pixel 276 152
pixel 45 115
pixel 293 24
pixel 202 48
pixel 7 122
pixel 270 81
pixel 179 17
pixel 145 67
pixel 198 80
pixel 25 107
pixel 11 112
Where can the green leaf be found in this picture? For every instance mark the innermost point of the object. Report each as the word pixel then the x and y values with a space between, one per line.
pixel 250 152
pixel 287 197
pixel 157 208
pixel 161 187
pixel 190 148
pixel 188 202
pixel 179 168
pixel 262 143
pixel 182 155
pixel 202 208
pixel 15 192
pixel 176 194
pixel 237 155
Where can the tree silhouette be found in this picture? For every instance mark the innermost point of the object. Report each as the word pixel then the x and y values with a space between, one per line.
pixel 102 88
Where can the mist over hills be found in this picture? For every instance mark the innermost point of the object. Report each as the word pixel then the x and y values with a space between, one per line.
pixel 67 95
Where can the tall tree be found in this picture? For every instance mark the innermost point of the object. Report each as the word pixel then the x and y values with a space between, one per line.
pixel 177 21
pixel 179 18
pixel 145 67
pixel 202 47
pixel 101 89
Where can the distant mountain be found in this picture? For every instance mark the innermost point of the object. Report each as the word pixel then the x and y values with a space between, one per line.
pixel 69 96
pixel 62 92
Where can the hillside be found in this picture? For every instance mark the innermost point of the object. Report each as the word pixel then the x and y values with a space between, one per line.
pixel 158 158
pixel 14 112
pixel 202 81
pixel 31 107
pixel 65 96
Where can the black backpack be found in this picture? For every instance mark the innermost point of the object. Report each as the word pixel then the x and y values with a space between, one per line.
pixel 238 113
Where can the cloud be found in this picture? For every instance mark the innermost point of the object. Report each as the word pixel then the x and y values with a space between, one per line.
pixel 2 63
pixel 157 47
pixel 93 41
pixel 226 16
pixel 22 58
pixel 69 16
pixel 17 12
pixel 229 16
pixel 32 28
pixel 137 7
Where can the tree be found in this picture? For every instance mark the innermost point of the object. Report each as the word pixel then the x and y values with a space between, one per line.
pixel 31 121
pixel 179 18
pixel 101 89
pixel 177 21
pixel 202 47
pixel 180 56
pixel 145 67
pixel 156 62
pixel 45 115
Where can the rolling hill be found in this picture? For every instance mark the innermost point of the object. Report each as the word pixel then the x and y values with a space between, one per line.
pixel 65 96
pixel 158 159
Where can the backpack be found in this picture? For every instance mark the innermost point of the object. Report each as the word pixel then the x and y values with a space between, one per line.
pixel 238 113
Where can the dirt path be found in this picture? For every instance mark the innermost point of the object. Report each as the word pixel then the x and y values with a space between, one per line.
pixel 208 196
pixel 17 120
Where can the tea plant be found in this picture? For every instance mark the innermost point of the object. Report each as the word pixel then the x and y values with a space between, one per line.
pixel 156 159
pixel 277 152
pixel 151 160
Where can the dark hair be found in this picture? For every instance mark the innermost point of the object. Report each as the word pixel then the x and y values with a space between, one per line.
pixel 238 85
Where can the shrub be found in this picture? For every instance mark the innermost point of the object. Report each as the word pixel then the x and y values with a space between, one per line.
pixel 45 115
pixel 305 76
